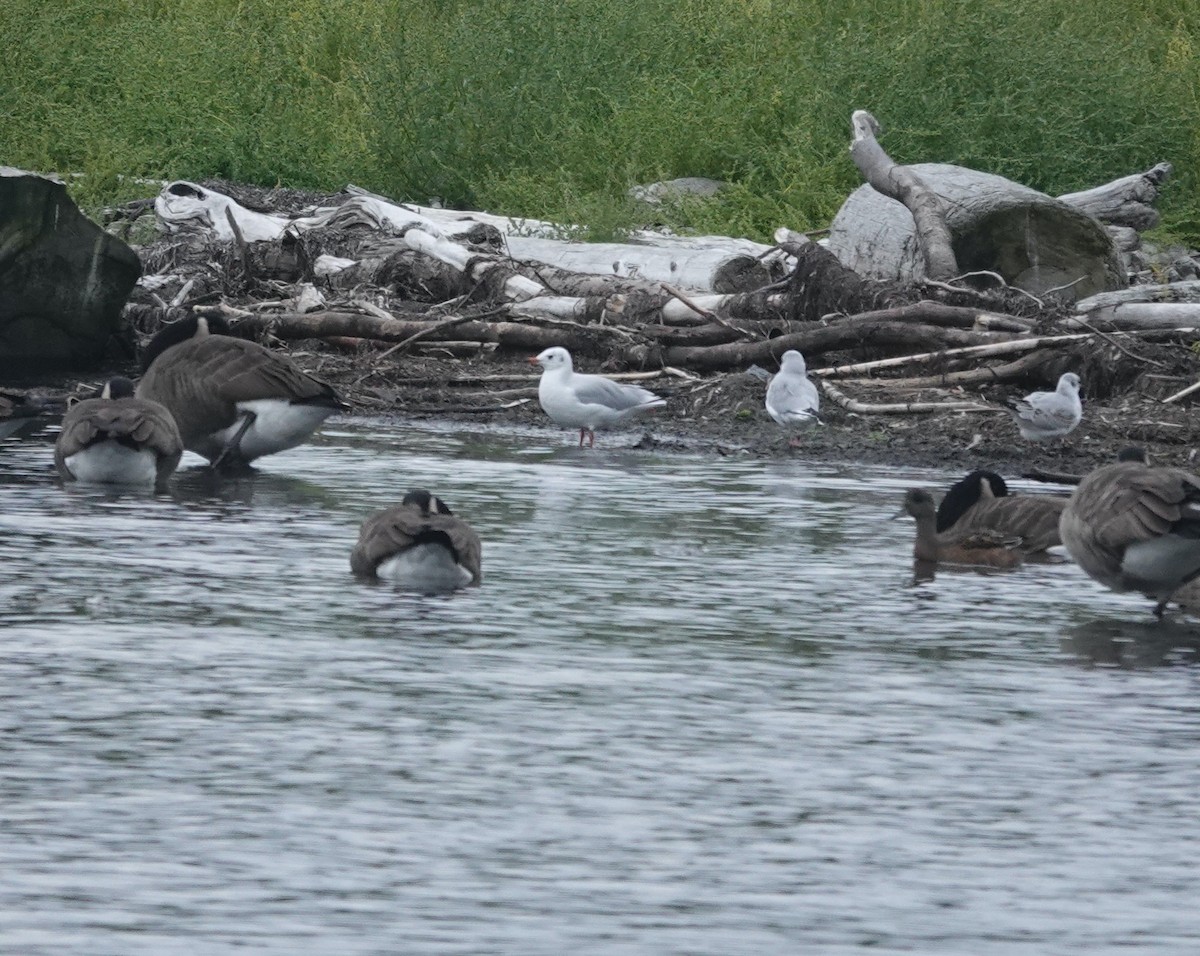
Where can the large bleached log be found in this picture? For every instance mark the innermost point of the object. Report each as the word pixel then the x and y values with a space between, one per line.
pixel 1128 201
pixel 704 269
pixel 190 208
pixel 63 279
pixel 1033 241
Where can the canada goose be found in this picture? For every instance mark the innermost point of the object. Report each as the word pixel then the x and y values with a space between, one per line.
pixel 981 501
pixel 418 543
pixel 1135 527
pixel 233 400
pixel 586 402
pixel 792 400
pixel 1041 416
pixel 983 547
pixel 118 439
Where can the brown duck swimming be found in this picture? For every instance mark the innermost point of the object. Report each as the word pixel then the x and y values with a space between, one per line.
pixel 983 548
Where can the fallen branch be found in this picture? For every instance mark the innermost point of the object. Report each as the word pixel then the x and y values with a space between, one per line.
pixel 905 186
pixel 898 408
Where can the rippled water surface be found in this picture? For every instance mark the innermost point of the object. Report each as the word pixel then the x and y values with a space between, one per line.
pixel 698 707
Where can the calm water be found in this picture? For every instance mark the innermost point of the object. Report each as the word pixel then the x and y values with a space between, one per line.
pixel 696 708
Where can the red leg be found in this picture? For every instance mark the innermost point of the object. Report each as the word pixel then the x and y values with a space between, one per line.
pixel 591 439
pixel 582 432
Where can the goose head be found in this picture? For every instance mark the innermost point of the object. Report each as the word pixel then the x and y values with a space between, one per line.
pixel 426 503
pixel 117 387
pixel 191 327
pixel 965 493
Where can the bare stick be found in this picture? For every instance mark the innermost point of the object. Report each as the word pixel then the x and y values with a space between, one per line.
pixel 899 408
pixel 1182 394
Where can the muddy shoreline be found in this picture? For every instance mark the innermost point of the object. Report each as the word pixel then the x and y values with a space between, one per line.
pixel 723 415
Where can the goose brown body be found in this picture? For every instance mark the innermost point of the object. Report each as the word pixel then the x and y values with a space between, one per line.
pixel 117 418
pixel 421 519
pixel 209 381
pixel 981 502
pixel 1136 527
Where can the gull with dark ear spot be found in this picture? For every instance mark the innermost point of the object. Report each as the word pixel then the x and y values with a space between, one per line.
pixel 586 402
pixel 1043 416
pixel 117 439
pixel 1135 527
pixel 419 544
pixel 233 400
pixel 981 502
pixel 980 548
pixel 792 400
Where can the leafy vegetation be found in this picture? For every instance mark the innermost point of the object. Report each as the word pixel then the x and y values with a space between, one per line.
pixel 553 109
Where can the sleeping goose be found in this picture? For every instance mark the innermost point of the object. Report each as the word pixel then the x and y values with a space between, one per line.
pixel 586 402
pixel 981 501
pixel 233 400
pixel 792 400
pixel 420 544
pixel 983 547
pixel 1042 416
pixel 118 439
pixel 1135 527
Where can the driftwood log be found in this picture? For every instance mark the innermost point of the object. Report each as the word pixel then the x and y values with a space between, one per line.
pixel 1033 241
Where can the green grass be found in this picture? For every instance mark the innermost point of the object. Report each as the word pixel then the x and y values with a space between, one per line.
pixel 553 109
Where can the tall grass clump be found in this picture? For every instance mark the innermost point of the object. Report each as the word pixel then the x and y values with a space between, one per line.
pixel 553 109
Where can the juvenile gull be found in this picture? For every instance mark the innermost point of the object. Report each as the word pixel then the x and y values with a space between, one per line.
pixel 1042 416
pixel 792 400
pixel 586 402
pixel 419 544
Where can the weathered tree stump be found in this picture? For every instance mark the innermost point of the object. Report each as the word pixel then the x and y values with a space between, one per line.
pixel 1033 241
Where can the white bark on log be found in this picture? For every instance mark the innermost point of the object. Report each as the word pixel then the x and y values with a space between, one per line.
pixel 1149 315
pixel 904 185
pixel 1188 291
pixel 1035 242
pixel 1127 201
pixel 517 288
pixel 701 270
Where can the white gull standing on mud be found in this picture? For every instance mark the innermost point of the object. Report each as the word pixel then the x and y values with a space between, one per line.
pixel 792 400
pixel 586 402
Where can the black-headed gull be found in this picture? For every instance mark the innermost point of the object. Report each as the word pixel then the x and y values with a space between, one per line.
pixel 1136 527
pixel 1041 416
pixel 419 544
pixel 117 439
pixel 233 400
pixel 586 402
pixel 792 400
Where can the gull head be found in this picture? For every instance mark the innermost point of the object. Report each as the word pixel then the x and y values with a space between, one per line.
pixel 553 358
pixel 1068 383
pixel 793 363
